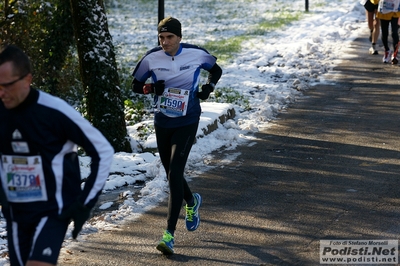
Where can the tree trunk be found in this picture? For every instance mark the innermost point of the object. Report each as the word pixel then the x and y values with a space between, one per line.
pixel 98 68
pixel 55 48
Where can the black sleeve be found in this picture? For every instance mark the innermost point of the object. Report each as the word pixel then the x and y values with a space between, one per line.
pixel 215 74
pixel 137 86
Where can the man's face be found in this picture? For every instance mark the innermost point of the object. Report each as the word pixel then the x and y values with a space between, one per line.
pixel 13 88
pixel 169 42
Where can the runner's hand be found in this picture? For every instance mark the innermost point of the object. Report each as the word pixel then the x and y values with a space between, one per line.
pixel 157 88
pixel 206 89
pixel 148 88
pixel 79 214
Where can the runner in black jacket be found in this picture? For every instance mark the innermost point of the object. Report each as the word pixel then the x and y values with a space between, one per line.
pixel 39 170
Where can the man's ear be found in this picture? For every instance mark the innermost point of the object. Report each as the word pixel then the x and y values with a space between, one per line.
pixel 29 78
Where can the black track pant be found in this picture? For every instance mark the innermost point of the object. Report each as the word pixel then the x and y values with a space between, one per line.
pixel 174 145
pixel 385 32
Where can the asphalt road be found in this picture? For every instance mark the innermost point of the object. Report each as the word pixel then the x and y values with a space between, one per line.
pixel 328 168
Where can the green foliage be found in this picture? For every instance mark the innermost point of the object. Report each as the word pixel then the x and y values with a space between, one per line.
pixel 125 75
pixel 229 95
pixel 277 21
pixel 225 49
pixel 71 88
pixel 137 110
pixel 44 31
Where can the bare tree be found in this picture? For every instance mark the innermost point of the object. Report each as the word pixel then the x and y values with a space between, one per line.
pixel 98 68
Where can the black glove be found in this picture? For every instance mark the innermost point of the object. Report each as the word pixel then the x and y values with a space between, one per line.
pixel 79 214
pixel 159 87
pixel 206 89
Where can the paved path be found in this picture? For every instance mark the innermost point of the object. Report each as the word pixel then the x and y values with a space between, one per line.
pixel 327 169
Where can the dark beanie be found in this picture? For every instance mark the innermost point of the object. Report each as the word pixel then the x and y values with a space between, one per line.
pixel 170 24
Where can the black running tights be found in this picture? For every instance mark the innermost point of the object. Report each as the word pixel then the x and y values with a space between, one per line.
pixel 174 145
pixel 385 32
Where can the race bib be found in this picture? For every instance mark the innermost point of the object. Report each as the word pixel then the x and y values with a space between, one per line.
pixel 174 102
pixel 388 6
pixel 23 179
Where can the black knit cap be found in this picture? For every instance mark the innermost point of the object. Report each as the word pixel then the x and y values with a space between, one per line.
pixel 170 24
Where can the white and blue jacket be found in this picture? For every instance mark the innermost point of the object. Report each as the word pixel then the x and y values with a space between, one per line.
pixel 179 71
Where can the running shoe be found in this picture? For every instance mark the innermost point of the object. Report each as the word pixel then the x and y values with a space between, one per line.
pixel 394 56
pixel 386 56
pixel 166 245
pixel 373 50
pixel 192 213
pixel 394 60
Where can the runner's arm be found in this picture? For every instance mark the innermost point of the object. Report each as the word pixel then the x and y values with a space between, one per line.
pixel 137 86
pixel 214 74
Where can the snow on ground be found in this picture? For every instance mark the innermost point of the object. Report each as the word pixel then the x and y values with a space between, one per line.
pixel 270 72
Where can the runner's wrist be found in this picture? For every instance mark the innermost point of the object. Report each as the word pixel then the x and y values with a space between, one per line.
pixel 212 86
